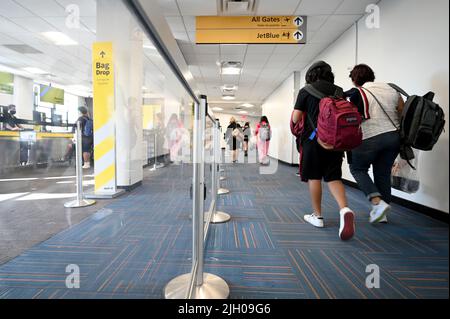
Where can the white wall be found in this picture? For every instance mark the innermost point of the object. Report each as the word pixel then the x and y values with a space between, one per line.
pixel 411 48
pixel 278 109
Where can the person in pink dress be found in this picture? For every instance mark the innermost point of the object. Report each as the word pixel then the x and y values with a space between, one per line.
pixel 263 133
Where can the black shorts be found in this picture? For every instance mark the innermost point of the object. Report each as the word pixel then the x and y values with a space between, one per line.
pixel 318 163
pixel 87 143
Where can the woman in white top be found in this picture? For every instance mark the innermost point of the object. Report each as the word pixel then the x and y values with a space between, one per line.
pixel 381 107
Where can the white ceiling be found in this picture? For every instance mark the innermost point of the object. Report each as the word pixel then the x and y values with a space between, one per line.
pixel 22 21
pixel 265 67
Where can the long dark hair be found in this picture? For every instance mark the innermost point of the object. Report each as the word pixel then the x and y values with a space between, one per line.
pixel 264 119
pixel 319 71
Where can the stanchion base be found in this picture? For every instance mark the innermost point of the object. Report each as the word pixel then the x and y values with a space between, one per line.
pixel 222 178
pixel 118 193
pixel 78 204
pixel 213 287
pixel 223 191
pixel 218 218
pixel 156 167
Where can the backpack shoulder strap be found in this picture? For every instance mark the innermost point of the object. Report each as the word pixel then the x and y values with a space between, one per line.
pixel 315 92
pixel 381 105
pixel 398 89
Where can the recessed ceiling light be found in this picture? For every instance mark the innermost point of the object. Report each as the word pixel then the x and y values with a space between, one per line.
pixel 231 68
pixel 243 112
pixel 228 87
pixel 228 97
pixel 248 105
pixel 217 109
pixel 34 70
pixel 59 38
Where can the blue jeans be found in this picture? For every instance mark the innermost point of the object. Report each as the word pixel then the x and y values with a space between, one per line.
pixel 380 152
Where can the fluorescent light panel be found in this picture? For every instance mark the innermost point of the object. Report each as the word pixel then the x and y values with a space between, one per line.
pixel 34 70
pixel 59 38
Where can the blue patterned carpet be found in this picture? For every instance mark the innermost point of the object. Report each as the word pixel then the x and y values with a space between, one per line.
pixel 135 246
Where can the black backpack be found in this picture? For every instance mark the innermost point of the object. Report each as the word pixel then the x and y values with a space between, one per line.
pixel 422 121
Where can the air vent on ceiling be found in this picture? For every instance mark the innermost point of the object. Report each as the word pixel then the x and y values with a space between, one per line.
pixel 237 7
pixel 22 48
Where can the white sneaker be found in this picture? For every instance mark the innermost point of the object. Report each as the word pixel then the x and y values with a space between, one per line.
pixel 314 220
pixel 347 228
pixel 384 220
pixel 379 212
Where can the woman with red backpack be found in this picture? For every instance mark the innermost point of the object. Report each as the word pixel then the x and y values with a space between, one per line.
pixel 263 132
pixel 317 162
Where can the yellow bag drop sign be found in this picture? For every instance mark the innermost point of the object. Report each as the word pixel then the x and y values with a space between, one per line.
pixel 104 119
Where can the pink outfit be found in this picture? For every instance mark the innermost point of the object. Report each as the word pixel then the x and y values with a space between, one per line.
pixel 263 146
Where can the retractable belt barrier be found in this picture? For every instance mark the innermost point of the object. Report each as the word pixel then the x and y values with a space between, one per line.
pixel 198 284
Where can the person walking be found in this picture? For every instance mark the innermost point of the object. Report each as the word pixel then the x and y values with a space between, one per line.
pixel 263 133
pixel 247 135
pixel 317 163
pixel 234 137
pixel 381 107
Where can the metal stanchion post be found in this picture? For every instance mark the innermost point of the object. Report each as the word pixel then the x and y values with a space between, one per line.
pixel 197 284
pixel 80 201
pixel 156 165
pixel 218 216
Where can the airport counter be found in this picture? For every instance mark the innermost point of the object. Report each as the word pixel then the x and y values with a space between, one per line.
pixel 29 148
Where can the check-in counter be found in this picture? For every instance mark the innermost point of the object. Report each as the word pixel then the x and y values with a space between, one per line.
pixel 33 148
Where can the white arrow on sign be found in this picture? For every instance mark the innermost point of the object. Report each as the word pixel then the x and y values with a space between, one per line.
pixel 298 21
pixel 298 35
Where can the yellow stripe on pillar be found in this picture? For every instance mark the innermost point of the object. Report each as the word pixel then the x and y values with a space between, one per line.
pixel 105 177
pixel 104 147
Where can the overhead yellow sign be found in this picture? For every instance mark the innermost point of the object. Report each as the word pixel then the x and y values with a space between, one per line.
pixel 242 22
pixel 104 119
pixel 251 30
pixel 279 36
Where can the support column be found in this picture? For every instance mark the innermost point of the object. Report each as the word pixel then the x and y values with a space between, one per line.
pixel 115 24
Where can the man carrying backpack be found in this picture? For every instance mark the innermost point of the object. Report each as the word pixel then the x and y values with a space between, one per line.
pixel 87 134
pixel 320 162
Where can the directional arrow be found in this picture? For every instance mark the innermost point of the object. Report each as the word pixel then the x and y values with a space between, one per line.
pixel 298 35
pixel 298 21
pixel 102 54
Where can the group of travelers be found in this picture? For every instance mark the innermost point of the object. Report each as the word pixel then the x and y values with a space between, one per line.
pixel 378 110
pixel 239 137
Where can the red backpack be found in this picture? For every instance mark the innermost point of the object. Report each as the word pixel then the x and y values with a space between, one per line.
pixel 339 122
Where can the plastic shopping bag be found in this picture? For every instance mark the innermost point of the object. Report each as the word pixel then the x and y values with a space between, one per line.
pixel 404 177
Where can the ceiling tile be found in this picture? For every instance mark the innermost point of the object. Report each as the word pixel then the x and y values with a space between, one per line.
pixel 44 8
pixel 12 9
pixel 34 24
pixel 88 8
pixel 197 7
pixel 354 6
pixel 169 7
pixel 315 22
pixel 233 49
pixel 263 49
pixel 318 7
pixel 285 7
